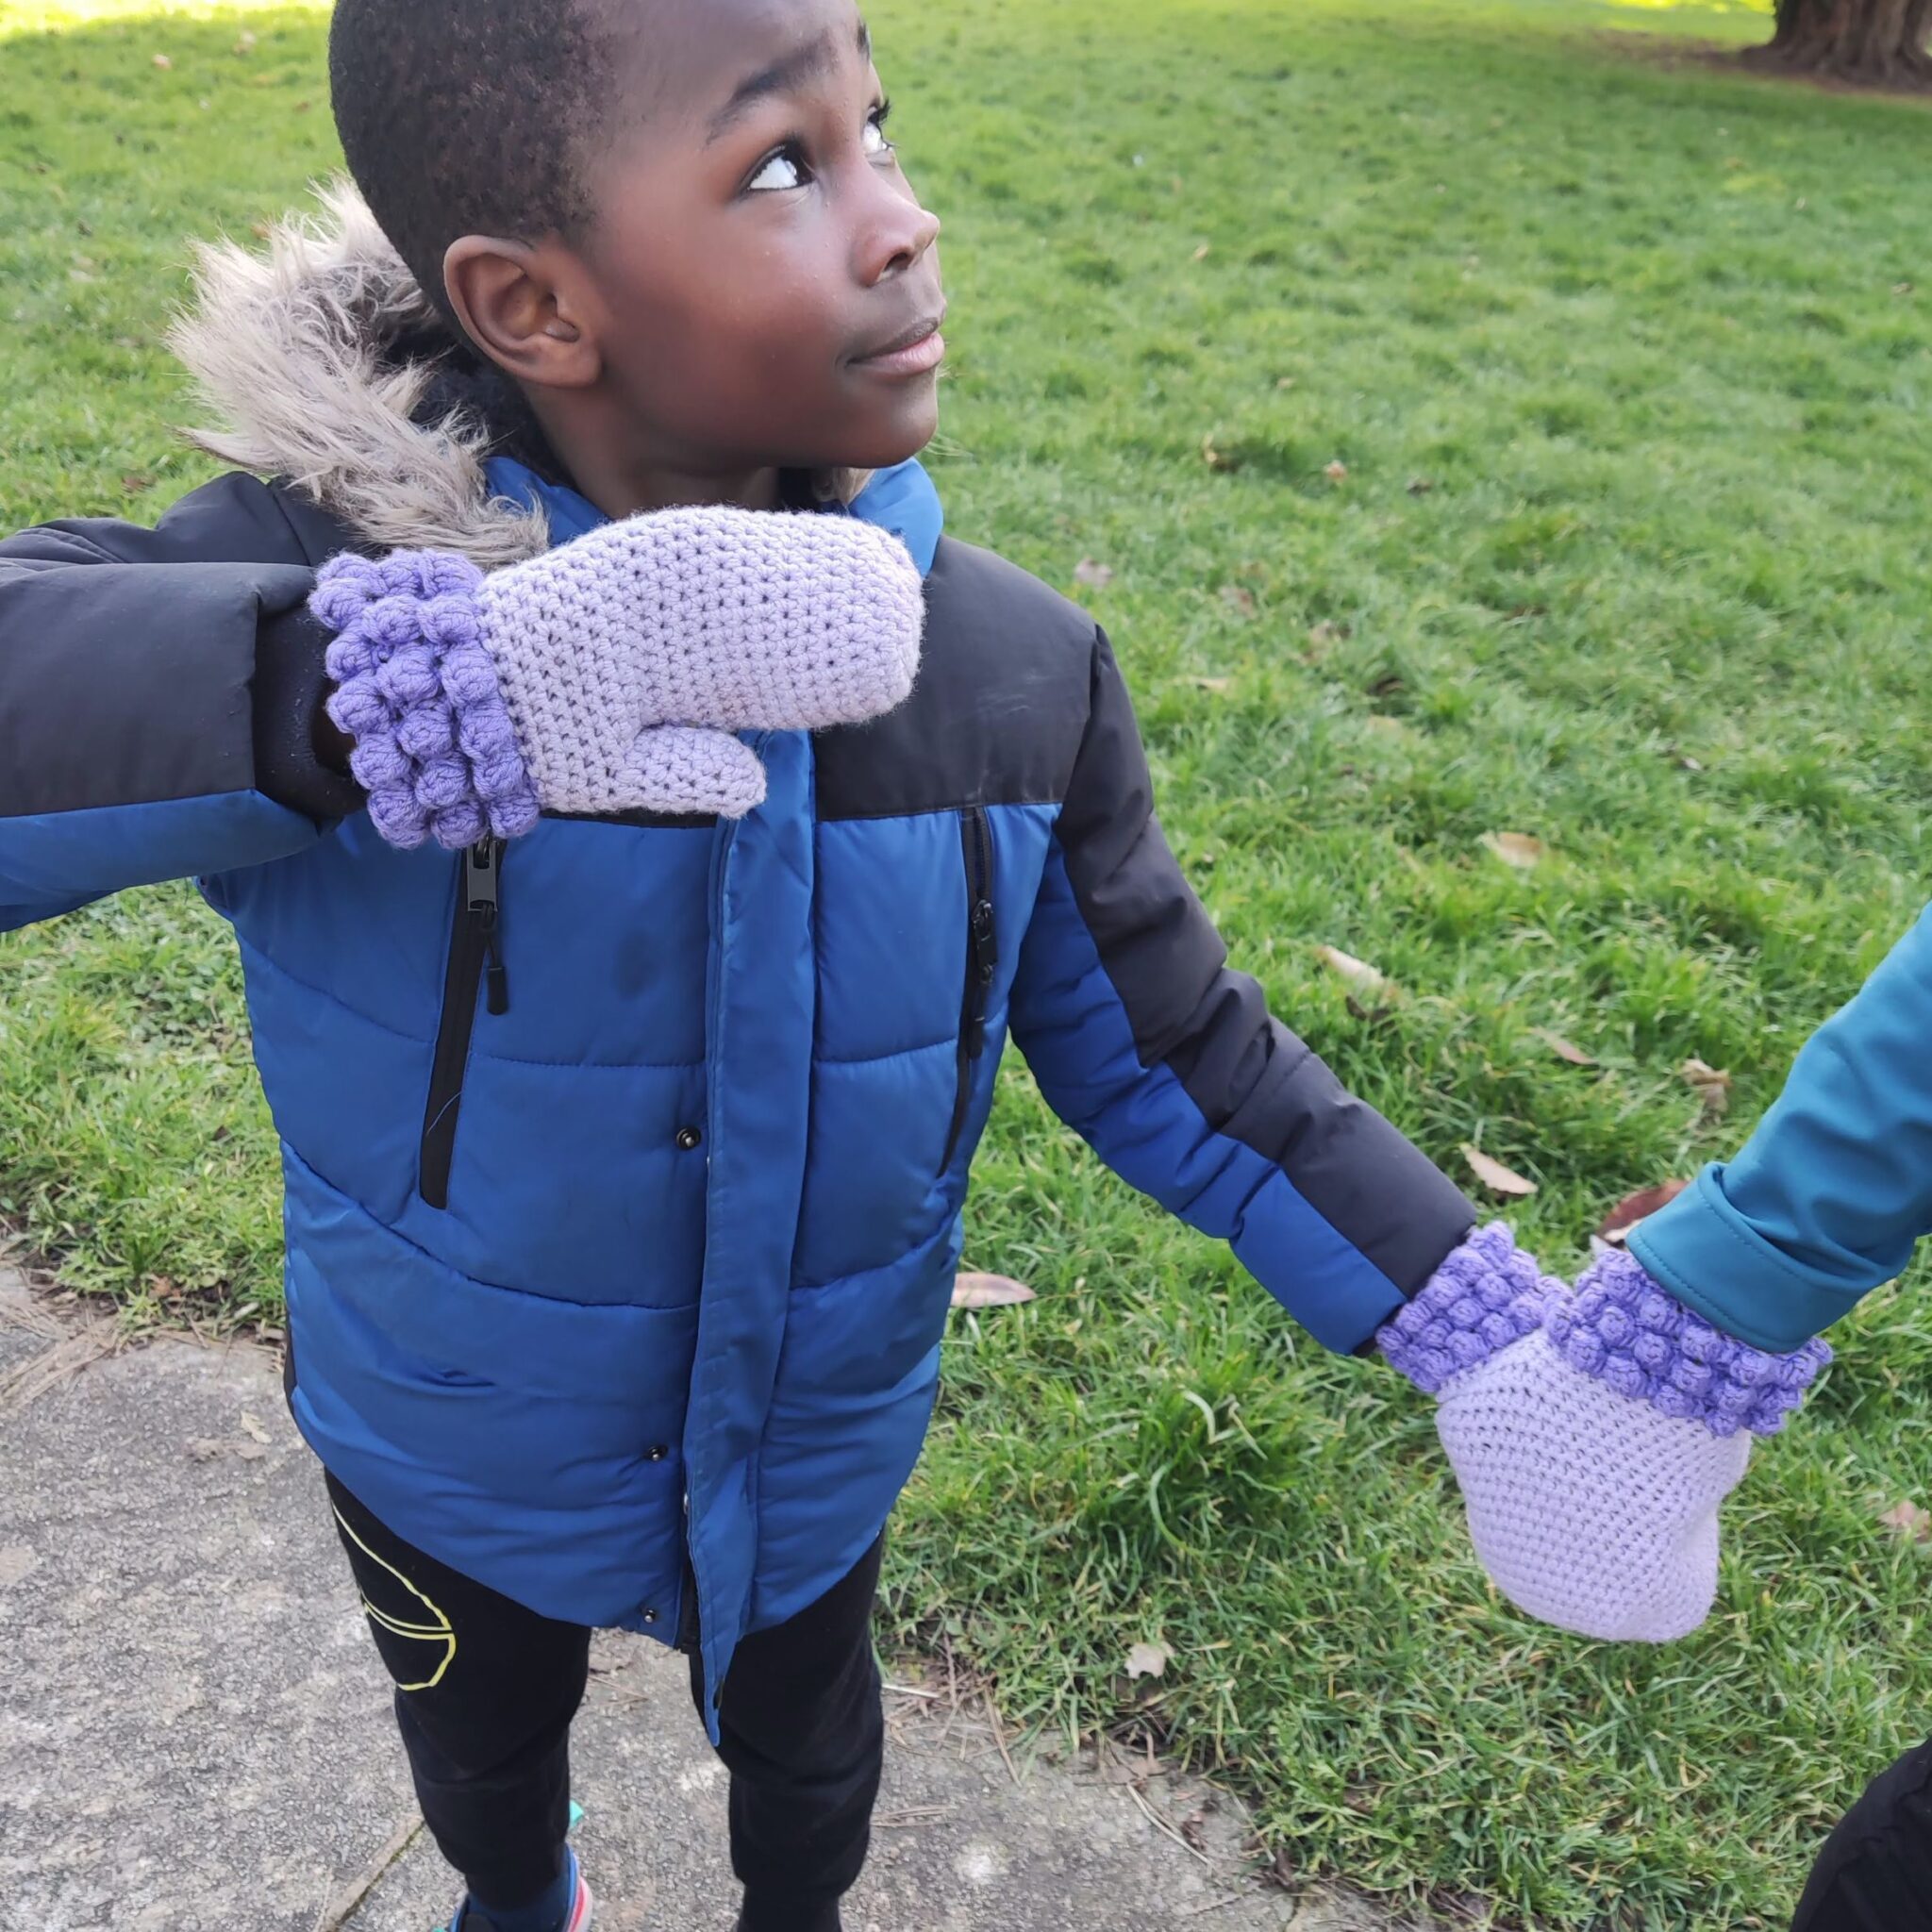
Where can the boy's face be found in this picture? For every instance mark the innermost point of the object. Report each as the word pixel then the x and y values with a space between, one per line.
pixel 768 287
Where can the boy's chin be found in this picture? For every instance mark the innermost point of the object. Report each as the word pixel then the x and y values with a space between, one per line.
pixel 879 447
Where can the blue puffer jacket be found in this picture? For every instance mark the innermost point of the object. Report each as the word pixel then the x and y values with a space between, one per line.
pixel 624 1166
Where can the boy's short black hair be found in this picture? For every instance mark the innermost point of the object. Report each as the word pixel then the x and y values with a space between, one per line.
pixel 471 117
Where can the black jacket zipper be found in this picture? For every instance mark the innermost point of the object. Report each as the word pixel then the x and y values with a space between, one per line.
pixel 982 957
pixel 476 957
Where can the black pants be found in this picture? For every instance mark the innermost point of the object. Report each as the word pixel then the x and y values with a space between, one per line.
pixel 1875 1872
pixel 486 1692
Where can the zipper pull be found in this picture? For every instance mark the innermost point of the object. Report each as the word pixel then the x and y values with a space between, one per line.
pixel 494 978
pixel 985 951
pixel 483 899
pixel 986 955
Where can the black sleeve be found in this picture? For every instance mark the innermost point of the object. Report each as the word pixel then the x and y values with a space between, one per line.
pixel 143 666
pixel 1171 1063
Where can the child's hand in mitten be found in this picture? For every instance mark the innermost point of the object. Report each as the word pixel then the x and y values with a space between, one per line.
pixel 609 674
pixel 1593 1435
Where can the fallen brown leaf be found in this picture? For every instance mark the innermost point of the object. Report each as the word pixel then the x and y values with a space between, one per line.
pixel 1148 1660
pixel 1563 1049
pixel 1632 1209
pixel 1098 574
pixel 1909 1520
pixel 1237 599
pixel 1201 252
pixel 1495 1177
pixel 1358 973
pixel 1336 472
pixel 1711 1087
pixel 1514 848
pixel 989 1291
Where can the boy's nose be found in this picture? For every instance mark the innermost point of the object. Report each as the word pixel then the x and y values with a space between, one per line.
pixel 898 236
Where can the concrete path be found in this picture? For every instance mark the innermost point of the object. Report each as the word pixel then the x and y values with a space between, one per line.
pixel 194 1734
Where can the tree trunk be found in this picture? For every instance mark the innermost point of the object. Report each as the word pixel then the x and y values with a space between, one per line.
pixel 1869 43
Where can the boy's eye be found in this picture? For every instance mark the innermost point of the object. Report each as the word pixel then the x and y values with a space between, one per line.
pixel 780 171
pixel 786 168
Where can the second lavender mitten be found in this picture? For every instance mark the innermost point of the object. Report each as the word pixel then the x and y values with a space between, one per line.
pixel 1594 1436
pixel 611 674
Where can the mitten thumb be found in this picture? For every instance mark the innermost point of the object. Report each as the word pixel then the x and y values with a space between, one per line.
pixel 682 769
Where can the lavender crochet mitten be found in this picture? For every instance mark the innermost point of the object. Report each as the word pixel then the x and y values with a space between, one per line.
pixel 611 674
pixel 1594 1435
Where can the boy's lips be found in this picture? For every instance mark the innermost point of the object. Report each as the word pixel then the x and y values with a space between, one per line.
pixel 911 352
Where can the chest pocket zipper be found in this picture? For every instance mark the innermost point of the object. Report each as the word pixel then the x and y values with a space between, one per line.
pixel 475 956
pixel 982 957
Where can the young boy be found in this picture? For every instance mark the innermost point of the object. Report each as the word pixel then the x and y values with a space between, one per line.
pixel 627 973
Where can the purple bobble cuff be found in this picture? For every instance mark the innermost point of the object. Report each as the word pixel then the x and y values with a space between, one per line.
pixel 1622 1328
pixel 1486 1295
pixel 417 691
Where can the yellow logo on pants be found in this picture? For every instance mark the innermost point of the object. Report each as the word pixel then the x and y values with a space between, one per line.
pixel 441 1632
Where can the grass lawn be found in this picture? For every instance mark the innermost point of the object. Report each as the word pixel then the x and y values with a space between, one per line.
pixel 1628 363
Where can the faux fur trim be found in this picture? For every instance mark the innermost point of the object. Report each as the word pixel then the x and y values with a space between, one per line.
pixel 295 351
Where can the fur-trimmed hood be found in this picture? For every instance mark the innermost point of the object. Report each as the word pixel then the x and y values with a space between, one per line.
pixel 320 361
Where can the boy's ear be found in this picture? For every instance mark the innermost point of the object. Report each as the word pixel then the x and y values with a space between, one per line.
pixel 515 303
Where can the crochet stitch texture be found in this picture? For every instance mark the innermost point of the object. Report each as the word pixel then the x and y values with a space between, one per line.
pixel 434 747
pixel 1488 1294
pixel 610 674
pixel 1594 1436
pixel 1629 1332
pixel 1588 1510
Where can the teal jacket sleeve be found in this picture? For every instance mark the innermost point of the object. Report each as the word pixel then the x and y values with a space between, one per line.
pixel 1828 1197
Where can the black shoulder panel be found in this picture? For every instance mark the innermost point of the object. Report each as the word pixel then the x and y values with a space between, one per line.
pixel 320 534
pixel 997 714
